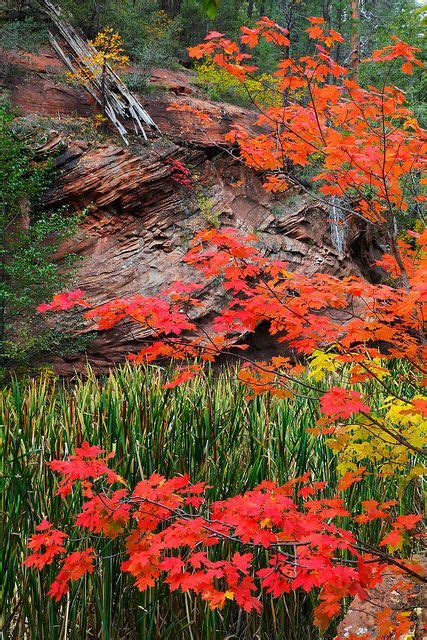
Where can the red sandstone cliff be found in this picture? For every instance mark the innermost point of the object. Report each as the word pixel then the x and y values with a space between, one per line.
pixel 139 218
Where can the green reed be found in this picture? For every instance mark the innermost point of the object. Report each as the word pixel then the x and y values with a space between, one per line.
pixel 207 428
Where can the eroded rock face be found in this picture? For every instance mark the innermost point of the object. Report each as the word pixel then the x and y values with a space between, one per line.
pixel 140 219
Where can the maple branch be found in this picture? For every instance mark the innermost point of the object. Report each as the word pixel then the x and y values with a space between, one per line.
pixel 396 436
pixel 390 560
pixel 184 515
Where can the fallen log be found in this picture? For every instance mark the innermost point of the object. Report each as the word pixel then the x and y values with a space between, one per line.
pixel 119 104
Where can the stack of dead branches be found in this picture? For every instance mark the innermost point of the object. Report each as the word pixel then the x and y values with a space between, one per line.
pixel 119 104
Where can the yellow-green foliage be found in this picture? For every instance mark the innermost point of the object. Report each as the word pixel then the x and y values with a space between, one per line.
pixel 375 437
pixel 108 50
pixel 220 85
pixel 206 205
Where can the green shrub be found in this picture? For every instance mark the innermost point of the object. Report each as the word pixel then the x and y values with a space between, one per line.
pixel 220 85
pixel 29 239
pixel 26 34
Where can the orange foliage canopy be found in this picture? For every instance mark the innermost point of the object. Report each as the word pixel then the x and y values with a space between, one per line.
pixel 365 141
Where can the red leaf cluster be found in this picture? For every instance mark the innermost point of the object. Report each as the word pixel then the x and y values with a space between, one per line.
pixel 168 532
pixel 180 173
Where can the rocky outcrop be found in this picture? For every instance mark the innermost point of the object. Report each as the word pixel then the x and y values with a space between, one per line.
pixel 139 218
pixel 37 85
pixel 397 594
pixel 139 222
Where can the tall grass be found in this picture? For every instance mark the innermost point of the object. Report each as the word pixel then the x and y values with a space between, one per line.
pixel 206 428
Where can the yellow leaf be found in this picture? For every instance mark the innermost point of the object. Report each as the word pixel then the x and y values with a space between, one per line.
pixel 266 523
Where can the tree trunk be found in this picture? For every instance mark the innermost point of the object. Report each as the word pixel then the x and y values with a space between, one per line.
pixel 103 89
pixel 289 24
pixel 338 49
pixel 171 7
pixel 355 36
pixel 326 10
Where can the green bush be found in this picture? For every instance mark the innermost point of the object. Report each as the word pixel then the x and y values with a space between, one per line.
pixel 26 34
pixel 152 38
pixel 220 85
pixel 29 239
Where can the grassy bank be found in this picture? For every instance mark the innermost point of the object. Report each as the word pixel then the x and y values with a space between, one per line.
pixel 206 428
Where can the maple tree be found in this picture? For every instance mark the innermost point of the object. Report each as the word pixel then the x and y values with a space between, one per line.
pixel 365 144
pixel 108 52
pixel 168 529
pixel 345 336
pixel 338 329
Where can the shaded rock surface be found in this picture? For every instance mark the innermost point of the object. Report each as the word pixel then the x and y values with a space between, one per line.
pixel 399 594
pixel 139 219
